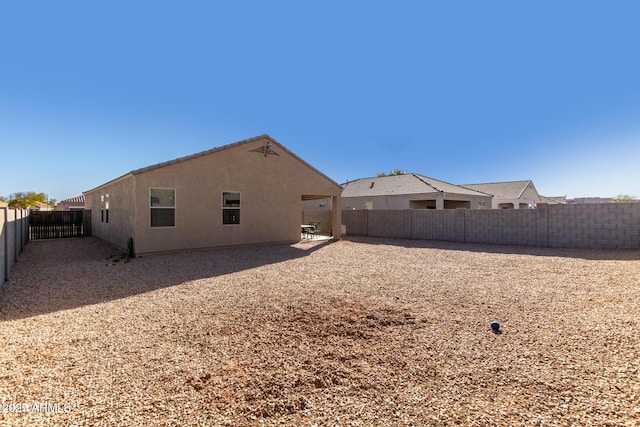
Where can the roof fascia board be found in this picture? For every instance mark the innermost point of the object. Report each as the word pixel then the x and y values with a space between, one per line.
pixel 215 150
pixel 229 146
pixel 113 181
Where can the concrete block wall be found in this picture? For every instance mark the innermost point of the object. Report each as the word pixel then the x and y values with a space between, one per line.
pixel 599 226
pixel 356 222
pixel 10 242
pixel 13 238
pixel 542 225
pixel 502 226
pixel 390 224
pixel 436 225
pixel 606 225
pixel 3 245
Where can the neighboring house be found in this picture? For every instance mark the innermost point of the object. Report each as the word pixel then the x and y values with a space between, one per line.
pixel 410 191
pixel 582 200
pixel 40 206
pixel 3 204
pixel 317 204
pixel 510 194
pixel 554 200
pixel 244 193
pixel 71 204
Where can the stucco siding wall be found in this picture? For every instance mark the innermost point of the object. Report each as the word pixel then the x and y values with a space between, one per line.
pixel 317 205
pixel 474 201
pixel 270 188
pixel 530 195
pixel 121 212
pixel 376 202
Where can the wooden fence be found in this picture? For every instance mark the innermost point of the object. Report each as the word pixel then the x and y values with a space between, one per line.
pixel 58 224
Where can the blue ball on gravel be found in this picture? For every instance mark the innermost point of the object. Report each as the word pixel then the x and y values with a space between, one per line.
pixel 495 326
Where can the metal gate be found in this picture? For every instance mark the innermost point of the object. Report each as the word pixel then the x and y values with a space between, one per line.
pixel 57 224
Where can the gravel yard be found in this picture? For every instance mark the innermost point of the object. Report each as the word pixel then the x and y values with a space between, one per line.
pixel 354 332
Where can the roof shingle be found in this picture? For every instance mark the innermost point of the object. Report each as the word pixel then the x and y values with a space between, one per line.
pixel 410 183
pixel 501 190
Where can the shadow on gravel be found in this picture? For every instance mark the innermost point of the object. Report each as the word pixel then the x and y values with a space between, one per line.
pixel 62 274
pixel 588 254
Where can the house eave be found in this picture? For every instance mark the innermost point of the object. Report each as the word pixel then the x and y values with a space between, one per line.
pixel 113 181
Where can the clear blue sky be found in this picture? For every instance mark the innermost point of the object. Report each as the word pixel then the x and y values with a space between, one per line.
pixel 462 91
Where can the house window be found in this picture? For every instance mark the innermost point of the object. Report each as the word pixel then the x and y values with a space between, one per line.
pixel 104 208
pixel 162 204
pixel 230 207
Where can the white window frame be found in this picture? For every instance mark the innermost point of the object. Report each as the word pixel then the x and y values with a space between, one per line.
pixel 151 207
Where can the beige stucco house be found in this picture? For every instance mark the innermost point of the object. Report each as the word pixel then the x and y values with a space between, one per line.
pixel 41 207
pixel 510 194
pixel 244 193
pixel 410 191
pixel 553 200
pixel 71 204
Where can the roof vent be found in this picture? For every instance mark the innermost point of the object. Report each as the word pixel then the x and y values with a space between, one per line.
pixel 372 184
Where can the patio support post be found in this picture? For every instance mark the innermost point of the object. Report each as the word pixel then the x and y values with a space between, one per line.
pixel 336 217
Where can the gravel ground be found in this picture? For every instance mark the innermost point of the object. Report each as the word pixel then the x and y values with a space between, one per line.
pixel 354 332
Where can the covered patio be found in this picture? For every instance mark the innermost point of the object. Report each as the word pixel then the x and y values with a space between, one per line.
pixel 321 223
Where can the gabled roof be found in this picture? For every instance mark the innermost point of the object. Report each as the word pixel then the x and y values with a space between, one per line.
pixel 502 190
pixel 73 200
pixel 410 183
pixel 266 149
pixel 554 200
pixel 590 200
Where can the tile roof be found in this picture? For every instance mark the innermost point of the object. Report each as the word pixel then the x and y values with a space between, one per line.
pixel 591 200
pixel 554 200
pixel 502 190
pixel 410 183
pixel 73 200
